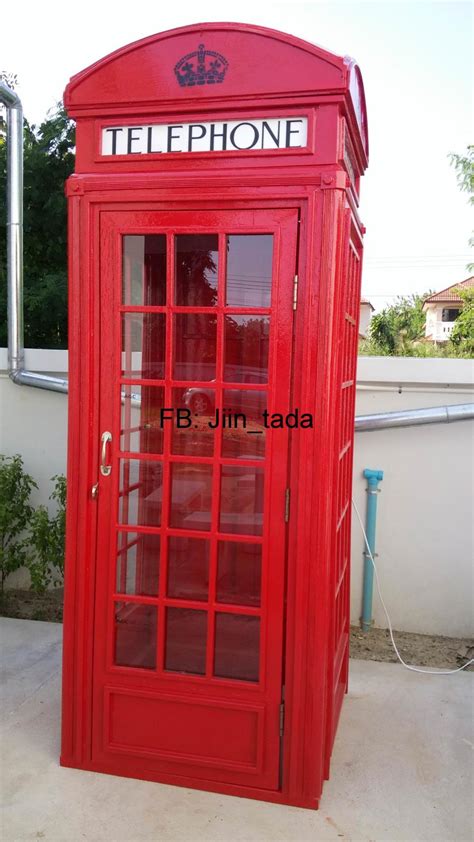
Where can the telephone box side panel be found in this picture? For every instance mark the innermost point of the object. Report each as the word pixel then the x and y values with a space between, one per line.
pixel 346 320
pixel 313 467
pixel 81 468
pixel 325 489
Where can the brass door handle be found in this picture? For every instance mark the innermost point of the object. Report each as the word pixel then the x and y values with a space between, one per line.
pixel 106 439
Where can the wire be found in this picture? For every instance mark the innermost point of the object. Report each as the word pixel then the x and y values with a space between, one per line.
pixel 407 666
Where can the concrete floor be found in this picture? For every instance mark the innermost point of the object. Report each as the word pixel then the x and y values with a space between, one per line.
pixel 402 766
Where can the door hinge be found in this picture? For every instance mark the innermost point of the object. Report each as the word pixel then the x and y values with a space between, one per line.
pixel 295 292
pixel 287 505
pixel 282 719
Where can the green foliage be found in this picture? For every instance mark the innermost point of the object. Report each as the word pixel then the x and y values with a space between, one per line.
pixel 464 166
pixel 462 335
pixel 369 348
pixel 15 515
pixel 48 161
pixel 395 329
pixel 398 331
pixel 47 538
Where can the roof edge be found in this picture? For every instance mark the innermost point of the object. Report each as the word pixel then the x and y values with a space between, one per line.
pixel 277 35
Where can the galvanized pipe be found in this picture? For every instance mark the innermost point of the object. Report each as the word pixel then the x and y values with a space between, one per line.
pixel 414 417
pixel 16 349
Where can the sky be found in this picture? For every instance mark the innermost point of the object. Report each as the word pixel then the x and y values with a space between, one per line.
pixel 416 60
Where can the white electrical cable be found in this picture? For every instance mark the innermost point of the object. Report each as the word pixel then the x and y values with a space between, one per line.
pixel 407 666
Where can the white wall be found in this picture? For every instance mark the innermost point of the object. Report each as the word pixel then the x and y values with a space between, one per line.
pixel 425 508
pixel 365 315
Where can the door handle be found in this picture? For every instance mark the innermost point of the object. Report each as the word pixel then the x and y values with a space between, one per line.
pixel 106 439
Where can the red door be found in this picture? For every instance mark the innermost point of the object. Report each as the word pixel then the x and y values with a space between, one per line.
pixel 195 339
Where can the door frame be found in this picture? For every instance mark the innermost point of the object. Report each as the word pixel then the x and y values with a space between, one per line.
pixel 87 198
pixel 121 223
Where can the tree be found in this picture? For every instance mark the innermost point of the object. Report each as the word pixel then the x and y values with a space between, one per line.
pixel 462 334
pixel 48 161
pixel 393 331
pixel 464 166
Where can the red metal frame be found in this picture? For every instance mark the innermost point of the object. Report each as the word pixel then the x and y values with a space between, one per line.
pixel 210 191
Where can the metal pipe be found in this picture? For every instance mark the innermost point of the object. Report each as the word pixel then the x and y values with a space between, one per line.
pixel 414 417
pixel 373 478
pixel 16 348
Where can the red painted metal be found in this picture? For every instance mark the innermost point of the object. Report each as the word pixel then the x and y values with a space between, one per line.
pixel 151 721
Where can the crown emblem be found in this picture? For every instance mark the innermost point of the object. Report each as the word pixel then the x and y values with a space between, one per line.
pixel 204 67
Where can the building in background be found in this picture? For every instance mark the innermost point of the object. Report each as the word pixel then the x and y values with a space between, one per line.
pixel 442 309
pixel 366 310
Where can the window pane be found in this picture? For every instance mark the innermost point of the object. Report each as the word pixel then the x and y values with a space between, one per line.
pixel 246 349
pixel 138 563
pixel 144 270
pixel 196 269
pixel 242 500
pixel 188 568
pixel 186 635
pixel 249 270
pixel 141 492
pixel 237 647
pixel 194 346
pixel 141 430
pixel 143 345
pixel 239 573
pixel 191 490
pixel 135 635
pixel 191 433
pixel 245 439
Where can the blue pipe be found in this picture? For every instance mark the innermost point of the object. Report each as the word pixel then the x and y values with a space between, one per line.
pixel 373 478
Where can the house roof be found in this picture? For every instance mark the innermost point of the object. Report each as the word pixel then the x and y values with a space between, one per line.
pixel 366 301
pixel 449 295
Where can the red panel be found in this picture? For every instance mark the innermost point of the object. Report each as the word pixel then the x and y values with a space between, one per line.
pixel 144 72
pixel 177 728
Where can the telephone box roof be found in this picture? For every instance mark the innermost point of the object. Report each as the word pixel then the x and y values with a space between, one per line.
pixel 244 64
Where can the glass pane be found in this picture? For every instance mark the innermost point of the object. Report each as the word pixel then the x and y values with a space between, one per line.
pixel 135 635
pixel 143 345
pixel 196 269
pixel 239 573
pixel 237 647
pixel 246 349
pixel 141 429
pixel 194 346
pixel 186 634
pixel 249 270
pixel 245 439
pixel 141 492
pixel 138 563
pixel 241 500
pixel 188 568
pixel 144 270
pixel 191 432
pixel 191 491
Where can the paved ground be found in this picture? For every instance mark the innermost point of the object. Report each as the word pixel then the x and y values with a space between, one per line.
pixel 402 766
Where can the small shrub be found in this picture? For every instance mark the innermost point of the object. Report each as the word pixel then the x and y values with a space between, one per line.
pixel 47 538
pixel 15 515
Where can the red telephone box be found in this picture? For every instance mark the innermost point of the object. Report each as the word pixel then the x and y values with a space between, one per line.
pixel 215 260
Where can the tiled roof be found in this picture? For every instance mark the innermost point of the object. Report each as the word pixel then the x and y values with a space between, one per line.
pixel 449 294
